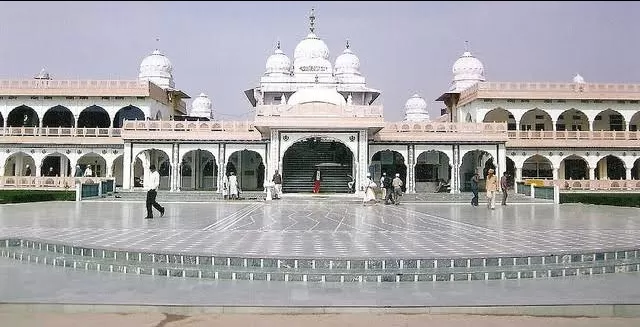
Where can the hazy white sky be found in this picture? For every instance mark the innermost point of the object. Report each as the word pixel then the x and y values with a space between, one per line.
pixel 220 48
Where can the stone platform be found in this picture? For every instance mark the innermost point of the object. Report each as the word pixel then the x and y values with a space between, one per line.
pixel 326 240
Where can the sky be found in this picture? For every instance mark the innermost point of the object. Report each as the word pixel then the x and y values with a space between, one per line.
pixel 220 48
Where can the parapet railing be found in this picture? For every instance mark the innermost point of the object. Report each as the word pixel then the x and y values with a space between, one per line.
pixel 60 131
pixel 181 126
pixel 574 135
pixel 48 182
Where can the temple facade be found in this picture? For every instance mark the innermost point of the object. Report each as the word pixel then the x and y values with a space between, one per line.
pixel 314 114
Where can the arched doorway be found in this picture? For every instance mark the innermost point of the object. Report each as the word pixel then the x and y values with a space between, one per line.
pixel 572 120
pixel 476 161
pixel 129 113
pixel 117 170
pixel 23 116
pixel 610 167
pixel 499 115
pixel 635 171
pixel 248 166
pixel 1 120
pixel 55 165
pixel 511 172
pixel 141 170
pixel 331 157
pixel 20 164
pixel 634 123
pixel 574 167
pixel 96 162
pixel 93 117
pixel 536 120
pixel 431 168
pixel 537 167
pixel 390 162
pixel 198 171
pixel 58 116
pixel 609 120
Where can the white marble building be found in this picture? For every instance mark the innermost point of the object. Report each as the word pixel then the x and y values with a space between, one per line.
pixel 312 113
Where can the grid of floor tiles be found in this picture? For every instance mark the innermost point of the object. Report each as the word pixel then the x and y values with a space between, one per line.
pixel 317 229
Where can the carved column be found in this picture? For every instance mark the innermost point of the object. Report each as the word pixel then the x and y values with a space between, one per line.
pixel 455 178
pixel 628 176
pixel 518 176
pixel 592 173
pixel 273 162
pixel 555 173
pixel 127 167
pixel 411 165
pixel 363 161
pixel 175 168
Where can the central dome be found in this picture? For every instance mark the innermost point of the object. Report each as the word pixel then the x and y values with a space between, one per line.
pixel 317 94
pixel 311 56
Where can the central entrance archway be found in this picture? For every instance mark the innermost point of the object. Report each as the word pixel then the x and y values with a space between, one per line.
pixel 331 157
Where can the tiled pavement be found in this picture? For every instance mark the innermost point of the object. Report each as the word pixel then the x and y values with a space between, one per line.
pixel 302 227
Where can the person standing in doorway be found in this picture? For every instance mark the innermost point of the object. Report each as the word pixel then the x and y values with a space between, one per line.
pixel 51 173
pixel 504 185
pixel 233 186
pixel 89 173
pixel 316 181
pixel 277 182
pixel 152 191
pixel 382 188
pixel 27 171
pixel 474 189
pixel 492 188
pixel 78 171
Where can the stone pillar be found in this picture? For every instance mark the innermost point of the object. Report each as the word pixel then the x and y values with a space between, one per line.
pixel 628 176
pixel 555 173
pixel 2 164
pixel 363 161
pixel 75 120
pixel 127 167
pixel 411 179
pixel 553 124
pixel 518 176
pixel 19 165
pixel 455 175
pixel 592 173
pixel 63 166
pixel 194 169
pixel 175 174
pixel 517 125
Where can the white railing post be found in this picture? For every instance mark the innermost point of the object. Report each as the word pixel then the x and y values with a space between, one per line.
pixel 78 191
pixel 556 194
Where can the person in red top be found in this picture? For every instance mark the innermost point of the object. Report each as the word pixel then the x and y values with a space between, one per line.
pixel 316 181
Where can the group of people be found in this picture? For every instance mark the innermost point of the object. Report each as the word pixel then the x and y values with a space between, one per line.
pixel 491 187
pixel 391 189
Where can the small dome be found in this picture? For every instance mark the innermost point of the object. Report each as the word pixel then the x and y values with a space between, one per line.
pixel 43 74
pixel 578 79
pixel 311 56
pixel 347 63
pixel 416 109
pixel 278 63
pixel 158 69
pixel 317 94
pixel 202 107
pixel 467 71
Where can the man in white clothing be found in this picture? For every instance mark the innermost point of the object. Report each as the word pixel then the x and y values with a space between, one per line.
pixel 88 172
pixel 152 186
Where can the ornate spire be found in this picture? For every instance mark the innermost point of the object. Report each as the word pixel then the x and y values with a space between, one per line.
pixel 466 46
pixel 157 42
pixel 347 43
pixel 278 45
pixel 312 18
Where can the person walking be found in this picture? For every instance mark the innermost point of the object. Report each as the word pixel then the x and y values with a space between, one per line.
pixel 492 188
pixel 504 185
pixel 382 188
pixel 397 189
pixel 369 194
pixel 233 186
pixel 388 187
pixel 316 181
pixel 474 189
pixel 152 191
pixel 277 182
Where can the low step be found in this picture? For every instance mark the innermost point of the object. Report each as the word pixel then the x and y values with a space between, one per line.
pixel 321 270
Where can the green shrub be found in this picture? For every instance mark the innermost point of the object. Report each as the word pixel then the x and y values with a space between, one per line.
pixel 21 196
pixel 611 199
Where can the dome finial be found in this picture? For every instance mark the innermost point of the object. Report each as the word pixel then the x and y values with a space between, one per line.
pixel 312 18
pixel 347 43
pixel 157 42
pixel 278 45
pixel 466 46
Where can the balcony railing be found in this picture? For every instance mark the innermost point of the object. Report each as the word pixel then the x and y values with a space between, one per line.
pixel 60 131
pixel 72 84
pixel 445 127
pixel 595 185
pixel 47 182
pixel 574 135
pixel 182 126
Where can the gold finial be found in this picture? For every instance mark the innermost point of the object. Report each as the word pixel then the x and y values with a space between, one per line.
pixel 312 18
